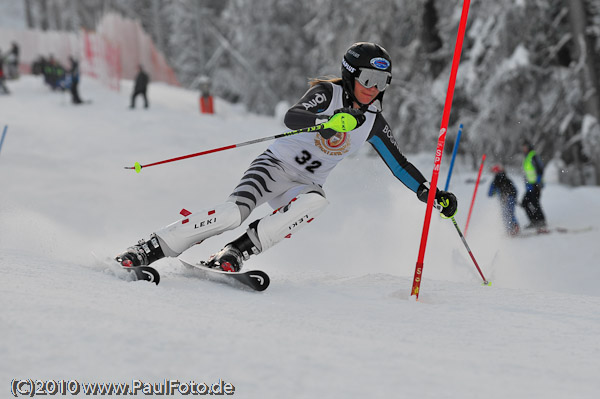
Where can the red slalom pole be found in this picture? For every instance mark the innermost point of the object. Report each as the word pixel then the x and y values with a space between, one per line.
pixel 341 122
pixel 474 194
pixel 440 148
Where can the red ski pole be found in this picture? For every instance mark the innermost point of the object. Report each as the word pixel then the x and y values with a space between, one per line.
pixel 474 193
pixel 341 122
pixel 440 148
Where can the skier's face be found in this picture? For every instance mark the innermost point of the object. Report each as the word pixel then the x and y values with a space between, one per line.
pixel 364 95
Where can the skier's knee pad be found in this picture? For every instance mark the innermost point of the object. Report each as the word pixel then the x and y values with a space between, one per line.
pixel 196 227
pixel 286 220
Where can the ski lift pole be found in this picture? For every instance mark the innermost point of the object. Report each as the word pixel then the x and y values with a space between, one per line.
pixel 440 149
pixel 475 193
pixel 3 135
pixel 454 151
pixel 341 122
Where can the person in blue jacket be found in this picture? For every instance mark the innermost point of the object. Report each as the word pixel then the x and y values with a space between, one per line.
pixel 291 173
pixel 534 171
pixel 503 186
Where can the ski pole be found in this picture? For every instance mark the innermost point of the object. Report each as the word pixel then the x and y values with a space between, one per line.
pixel 474 193
pixel 341 122
pixel 454 151
pixel 462 237
pixel 3 135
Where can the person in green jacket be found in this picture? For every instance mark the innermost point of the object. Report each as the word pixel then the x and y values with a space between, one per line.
pixel 534 170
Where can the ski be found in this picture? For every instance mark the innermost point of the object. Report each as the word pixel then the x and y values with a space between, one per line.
pixel 128 273
pixel 144 273
pixel 549 230
pixel 254 279
pixel 573 230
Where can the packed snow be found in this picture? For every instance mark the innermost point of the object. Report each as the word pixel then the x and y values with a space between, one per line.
pixel 337 320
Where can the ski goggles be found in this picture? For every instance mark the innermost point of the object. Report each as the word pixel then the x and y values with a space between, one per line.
pixel 372 77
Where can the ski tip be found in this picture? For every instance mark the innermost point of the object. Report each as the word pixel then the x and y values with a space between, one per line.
pixel 147 273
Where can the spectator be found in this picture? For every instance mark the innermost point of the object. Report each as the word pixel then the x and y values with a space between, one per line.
pixel 74 72
pixel 54 73
pixel 12 67
pixel 37 67
pixel 141 86
pixel 534 170
pixel 3 87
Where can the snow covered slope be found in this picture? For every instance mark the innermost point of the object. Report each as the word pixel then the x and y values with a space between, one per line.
pixel 336 321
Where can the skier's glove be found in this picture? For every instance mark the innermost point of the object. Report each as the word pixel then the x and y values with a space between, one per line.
pixel 343 120
pixel 358 115
pixel 444 201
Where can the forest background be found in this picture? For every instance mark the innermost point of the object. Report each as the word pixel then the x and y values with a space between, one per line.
pixel 529 69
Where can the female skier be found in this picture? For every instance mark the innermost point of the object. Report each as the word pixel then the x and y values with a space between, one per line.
pixel 290 174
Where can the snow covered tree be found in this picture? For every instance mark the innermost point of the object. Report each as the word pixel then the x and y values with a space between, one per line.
pixel 184 42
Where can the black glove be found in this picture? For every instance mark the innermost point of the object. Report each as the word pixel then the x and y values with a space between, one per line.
pixel 445 202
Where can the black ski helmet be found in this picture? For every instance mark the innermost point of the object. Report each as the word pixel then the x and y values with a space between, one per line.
pixel 364 55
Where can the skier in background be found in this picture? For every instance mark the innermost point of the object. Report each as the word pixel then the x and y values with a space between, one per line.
pixel 534 170
pixel 141 87
pixel 290 174
pixel 507 192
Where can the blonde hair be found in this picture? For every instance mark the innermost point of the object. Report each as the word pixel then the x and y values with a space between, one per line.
pixel 331 79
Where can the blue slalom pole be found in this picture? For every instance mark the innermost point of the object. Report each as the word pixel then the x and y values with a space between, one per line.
pixel 3 135
pixel 453 156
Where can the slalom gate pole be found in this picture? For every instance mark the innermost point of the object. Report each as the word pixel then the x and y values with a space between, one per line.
pixel 462 237
pixel 336 125
pixel 453 157
pixel 474 193
pixel 440 148
pixel 3 135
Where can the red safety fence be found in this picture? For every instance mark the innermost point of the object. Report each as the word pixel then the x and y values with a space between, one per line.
pixel 135 47
pixel 111 53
